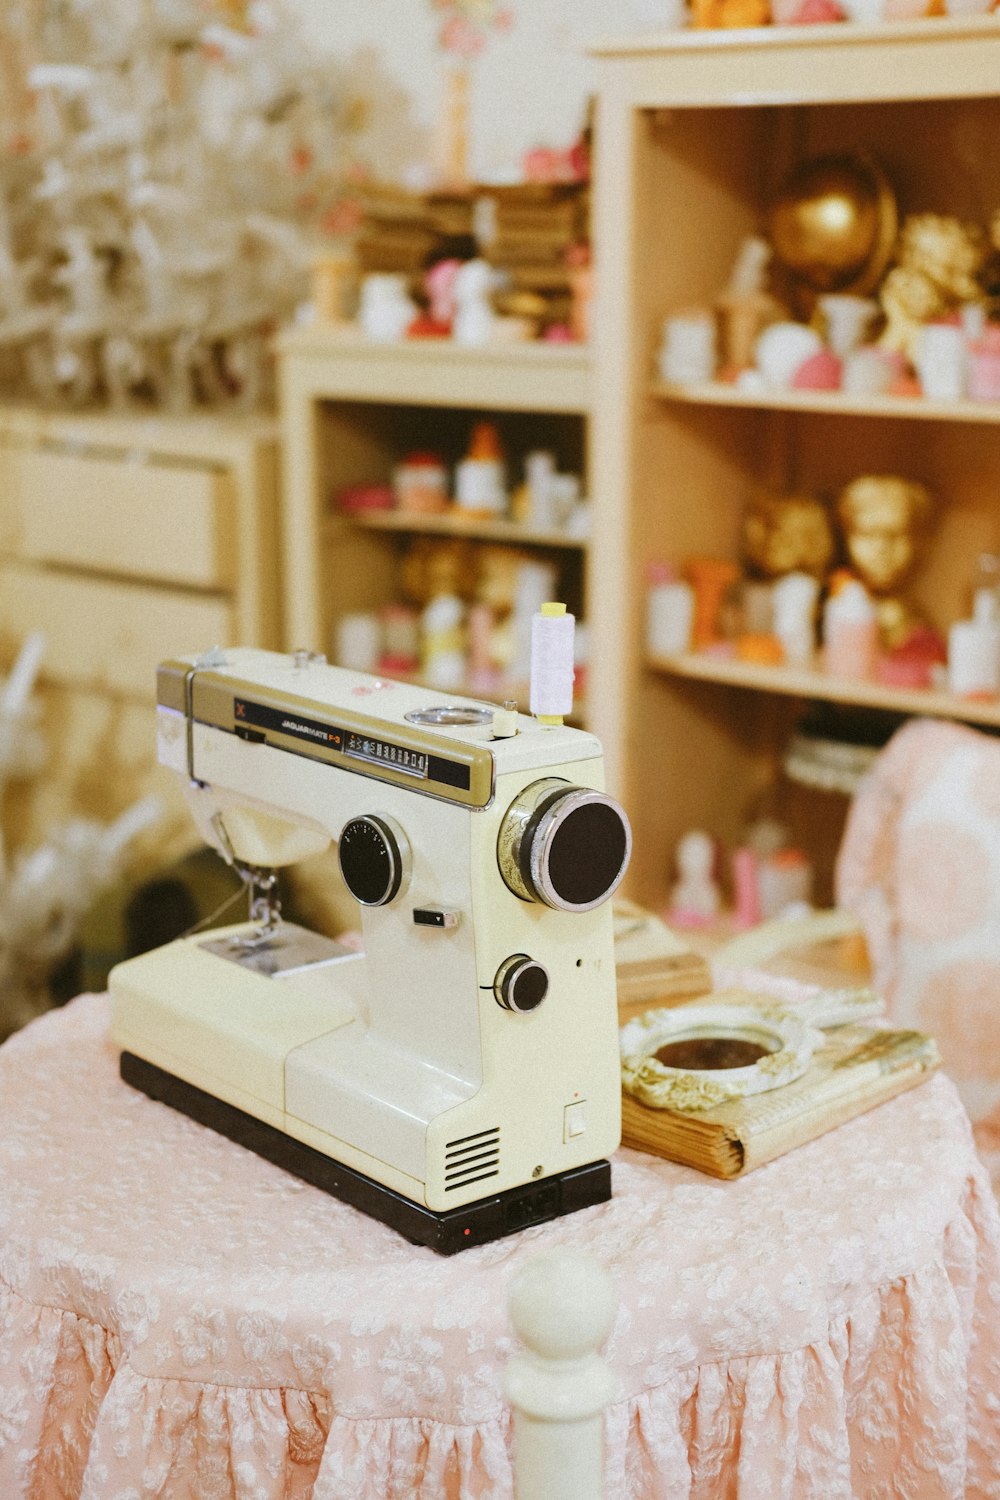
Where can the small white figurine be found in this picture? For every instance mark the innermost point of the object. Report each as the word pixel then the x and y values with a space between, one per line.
pixel 386 309
pixel 695 899
pixel 475 282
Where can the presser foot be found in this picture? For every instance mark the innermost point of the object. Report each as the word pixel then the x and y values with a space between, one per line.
pixel 445 1232
pixel 288 950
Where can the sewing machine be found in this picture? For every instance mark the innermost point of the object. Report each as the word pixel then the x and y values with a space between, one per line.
pixel 459 1078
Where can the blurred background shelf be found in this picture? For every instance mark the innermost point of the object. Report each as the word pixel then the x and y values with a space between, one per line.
pixel 352 410
pixel 819 685
pixel 454 523
pixel 698 132
pixel 833 403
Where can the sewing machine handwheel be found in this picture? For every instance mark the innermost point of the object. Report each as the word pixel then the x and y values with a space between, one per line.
pixel 374 859
pixel 566 846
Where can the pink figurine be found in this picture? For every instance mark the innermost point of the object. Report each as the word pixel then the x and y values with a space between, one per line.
pixel 439 284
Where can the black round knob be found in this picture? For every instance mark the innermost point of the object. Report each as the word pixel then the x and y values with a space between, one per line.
pixel 566 846
pixel 521 983
pixel 374 856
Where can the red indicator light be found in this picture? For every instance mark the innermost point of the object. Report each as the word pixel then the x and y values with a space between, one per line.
pixel 466 1231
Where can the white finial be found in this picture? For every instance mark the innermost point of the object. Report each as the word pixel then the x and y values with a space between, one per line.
pixel 562 1306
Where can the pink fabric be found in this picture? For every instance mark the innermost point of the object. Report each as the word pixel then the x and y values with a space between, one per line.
pixel 919 864
pixel 179 1319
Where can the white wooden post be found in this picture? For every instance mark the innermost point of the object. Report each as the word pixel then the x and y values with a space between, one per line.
pixel 562 1306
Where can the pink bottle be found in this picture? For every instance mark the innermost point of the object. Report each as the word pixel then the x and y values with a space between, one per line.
pixel 850 632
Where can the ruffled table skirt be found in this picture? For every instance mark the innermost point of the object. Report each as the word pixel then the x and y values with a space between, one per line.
pixel 179 1319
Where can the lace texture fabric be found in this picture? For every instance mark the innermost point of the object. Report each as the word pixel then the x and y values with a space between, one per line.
pixel 920 866
pixel 181 1320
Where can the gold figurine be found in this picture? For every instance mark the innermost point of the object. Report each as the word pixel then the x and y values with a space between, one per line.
pixel 884 519
pixel 787 534
pixel 938 261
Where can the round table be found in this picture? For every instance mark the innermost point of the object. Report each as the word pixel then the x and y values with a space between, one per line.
pixel 180 1319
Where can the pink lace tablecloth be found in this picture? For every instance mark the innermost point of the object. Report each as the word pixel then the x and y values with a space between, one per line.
pixel 180 1319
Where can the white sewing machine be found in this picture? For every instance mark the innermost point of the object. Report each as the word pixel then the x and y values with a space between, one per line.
pixel 459 1079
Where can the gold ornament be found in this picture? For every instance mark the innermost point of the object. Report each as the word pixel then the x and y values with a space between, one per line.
pixel 833 225
pixel 787 534
pixel 885 518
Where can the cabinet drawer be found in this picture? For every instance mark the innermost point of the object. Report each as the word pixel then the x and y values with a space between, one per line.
pixel 106 634
pixel 114 515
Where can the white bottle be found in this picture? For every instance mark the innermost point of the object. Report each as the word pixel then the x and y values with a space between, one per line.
pixel 974 650
pixel 794 604
pixel 669 611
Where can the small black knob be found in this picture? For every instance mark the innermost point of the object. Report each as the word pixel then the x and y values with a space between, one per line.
pixel 374 856
pixel 521 983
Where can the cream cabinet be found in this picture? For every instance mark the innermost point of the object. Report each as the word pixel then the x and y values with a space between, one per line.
pixel 125 539
pixel 696 132
pixel 352 409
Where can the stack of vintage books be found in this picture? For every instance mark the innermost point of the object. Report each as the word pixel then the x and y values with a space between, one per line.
pixel 858 1069
pixel 531 231
pixel 682 1100
pixel 405 232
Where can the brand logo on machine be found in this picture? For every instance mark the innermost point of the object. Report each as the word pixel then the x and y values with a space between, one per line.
pixel 264 717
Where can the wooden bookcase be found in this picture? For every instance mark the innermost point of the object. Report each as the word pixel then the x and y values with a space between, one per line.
pixel 696 131
pixel 351 409
pixel 125 539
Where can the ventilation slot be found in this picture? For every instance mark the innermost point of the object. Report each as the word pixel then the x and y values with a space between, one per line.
pixel 471 1159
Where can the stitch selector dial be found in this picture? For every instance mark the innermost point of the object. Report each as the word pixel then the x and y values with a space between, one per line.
pixel 374 859
pixel 566 846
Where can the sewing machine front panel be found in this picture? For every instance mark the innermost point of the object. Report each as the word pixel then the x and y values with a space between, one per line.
pixel 562 1056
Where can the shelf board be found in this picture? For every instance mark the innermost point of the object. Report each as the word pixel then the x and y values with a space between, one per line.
pixel 340 364
pixel 838 63
pixel 719 393
pixel 832 34
pixel 453 523
pixel 812 683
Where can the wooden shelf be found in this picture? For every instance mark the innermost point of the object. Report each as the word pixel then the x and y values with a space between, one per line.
pixel 798 682
pixel 700 130
pixel 761 66
pixel 351 407
pixel 833 403
pixel 539 376
pixel 453 523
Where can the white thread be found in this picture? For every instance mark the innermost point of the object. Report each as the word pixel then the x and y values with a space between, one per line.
pixel 552 665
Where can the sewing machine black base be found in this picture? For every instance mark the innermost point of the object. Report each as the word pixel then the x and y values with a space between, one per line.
pixel 447 1232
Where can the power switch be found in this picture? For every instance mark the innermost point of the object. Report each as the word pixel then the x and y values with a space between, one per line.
pixel 574 1121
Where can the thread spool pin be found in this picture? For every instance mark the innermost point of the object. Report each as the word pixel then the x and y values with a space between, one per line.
pixel 552 632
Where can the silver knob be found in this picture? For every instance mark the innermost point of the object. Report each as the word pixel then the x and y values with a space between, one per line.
pixel 521 983
pixel 566 846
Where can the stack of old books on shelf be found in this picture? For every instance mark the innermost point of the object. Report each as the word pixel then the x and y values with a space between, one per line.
pixel 405 232
pixel 531 231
